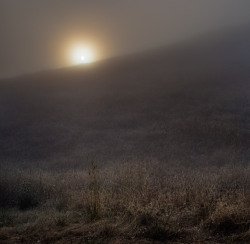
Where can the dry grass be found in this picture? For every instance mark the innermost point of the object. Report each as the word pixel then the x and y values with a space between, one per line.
pixel 127 203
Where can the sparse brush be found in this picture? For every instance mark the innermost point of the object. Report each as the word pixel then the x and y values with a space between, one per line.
pixel 93 200
pixel 61 219
pixel 6 219
pixel 27 197
pixel 160 232
pixel 229 219
pixel 138 200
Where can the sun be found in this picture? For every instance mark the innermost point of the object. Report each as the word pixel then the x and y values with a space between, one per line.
pixel 82 58
pixel 82 55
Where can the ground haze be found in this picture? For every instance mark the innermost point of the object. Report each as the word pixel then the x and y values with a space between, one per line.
pixel 150 147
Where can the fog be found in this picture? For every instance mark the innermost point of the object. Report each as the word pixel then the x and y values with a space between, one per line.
pixel 124 121
pixel 38 34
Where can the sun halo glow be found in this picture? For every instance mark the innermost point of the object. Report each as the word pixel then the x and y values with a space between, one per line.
pixel 82 55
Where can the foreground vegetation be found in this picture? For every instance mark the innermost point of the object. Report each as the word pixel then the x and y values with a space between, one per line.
pixel 126 203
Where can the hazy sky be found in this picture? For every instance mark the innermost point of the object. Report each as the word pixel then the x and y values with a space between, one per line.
pixel 40 34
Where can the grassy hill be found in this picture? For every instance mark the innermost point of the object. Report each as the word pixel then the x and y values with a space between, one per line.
pixel 147 148
pixel 187 102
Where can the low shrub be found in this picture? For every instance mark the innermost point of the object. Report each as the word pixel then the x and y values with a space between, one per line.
pixel 6 219
pixel 229 219
pixel 27 197
pixel 160 232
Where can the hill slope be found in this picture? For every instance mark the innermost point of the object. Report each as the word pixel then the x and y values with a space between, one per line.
pixel 188 104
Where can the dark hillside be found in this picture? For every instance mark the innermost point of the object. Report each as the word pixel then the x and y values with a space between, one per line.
pixel 186 104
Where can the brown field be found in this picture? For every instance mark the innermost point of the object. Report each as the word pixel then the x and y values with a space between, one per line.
pixel 127 203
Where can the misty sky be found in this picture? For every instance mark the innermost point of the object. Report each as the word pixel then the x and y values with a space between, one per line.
pixel 37 34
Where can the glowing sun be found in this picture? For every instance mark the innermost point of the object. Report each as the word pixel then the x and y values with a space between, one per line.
pixel 82 55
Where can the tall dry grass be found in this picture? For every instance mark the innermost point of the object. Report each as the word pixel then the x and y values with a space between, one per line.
pixel 132 200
